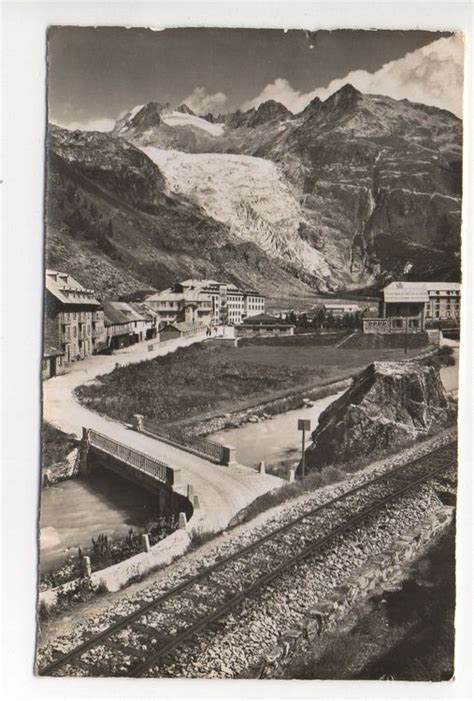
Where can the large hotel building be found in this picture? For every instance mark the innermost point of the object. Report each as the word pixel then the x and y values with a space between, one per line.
pixel 206 302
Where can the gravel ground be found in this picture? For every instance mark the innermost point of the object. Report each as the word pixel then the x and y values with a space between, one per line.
pixel 73 632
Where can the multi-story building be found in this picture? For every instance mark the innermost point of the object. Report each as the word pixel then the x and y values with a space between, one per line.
pixel 229 304
pixel 128 323
pixel 254 303
pixel 53 358
pixel 118 327
pixel 442 300
pixel 180 303
pixel 408 306
pixel 79 316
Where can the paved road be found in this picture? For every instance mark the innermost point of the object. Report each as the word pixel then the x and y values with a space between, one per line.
pixel 222 491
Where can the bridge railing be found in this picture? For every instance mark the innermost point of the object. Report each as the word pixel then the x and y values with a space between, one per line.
pixel 157 469
pixel 203 446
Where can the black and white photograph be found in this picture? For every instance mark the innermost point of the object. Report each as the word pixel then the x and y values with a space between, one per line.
pixel 250 353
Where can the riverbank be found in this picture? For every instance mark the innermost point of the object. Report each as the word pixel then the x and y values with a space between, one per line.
pixel 211 380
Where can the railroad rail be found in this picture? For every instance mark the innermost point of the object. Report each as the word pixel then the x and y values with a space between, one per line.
pixel 175 617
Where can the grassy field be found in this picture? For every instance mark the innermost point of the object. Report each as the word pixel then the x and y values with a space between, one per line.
pixel 213 377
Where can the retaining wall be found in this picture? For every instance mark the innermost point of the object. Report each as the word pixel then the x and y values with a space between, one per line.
pixel 324 615
pixel 117 576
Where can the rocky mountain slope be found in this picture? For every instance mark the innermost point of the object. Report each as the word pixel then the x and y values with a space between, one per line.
pixel 351 192
pixel 111 224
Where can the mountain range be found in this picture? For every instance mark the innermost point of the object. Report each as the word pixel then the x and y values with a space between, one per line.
pixel 346 195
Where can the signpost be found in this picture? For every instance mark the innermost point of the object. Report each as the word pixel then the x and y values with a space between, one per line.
pixel 303 425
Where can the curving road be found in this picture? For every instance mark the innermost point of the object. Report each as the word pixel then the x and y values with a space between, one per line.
pixel 222 491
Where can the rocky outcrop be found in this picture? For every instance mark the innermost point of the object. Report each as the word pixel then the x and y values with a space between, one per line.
pixel 388 405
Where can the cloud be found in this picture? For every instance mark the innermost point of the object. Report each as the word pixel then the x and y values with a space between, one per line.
pixel 101 124
pixel 432 75
pixel 202 102
pixel 281 91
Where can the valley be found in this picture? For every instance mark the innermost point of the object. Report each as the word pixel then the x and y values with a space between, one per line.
pixel 344 196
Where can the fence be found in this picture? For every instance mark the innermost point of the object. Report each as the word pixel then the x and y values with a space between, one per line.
pixel 208 449
pixel 393 324
pixel 157 469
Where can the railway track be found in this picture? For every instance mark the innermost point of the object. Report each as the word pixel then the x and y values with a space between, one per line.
pixel 174 618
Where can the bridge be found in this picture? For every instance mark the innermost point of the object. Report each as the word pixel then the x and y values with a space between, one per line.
pixel 223 486
pixel 100 451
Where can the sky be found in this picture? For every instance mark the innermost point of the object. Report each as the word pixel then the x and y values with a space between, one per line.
pixel 97 74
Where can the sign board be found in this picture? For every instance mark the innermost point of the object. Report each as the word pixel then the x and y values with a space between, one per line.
pixel 304 425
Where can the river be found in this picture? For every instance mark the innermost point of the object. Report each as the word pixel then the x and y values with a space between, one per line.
pixel 276 441
pixel 74 511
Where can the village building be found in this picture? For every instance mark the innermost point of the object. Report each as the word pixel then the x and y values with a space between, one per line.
pixel 53 358
pixel 181 329
pixel 264 325
pixel 411 307
pixel 151 319
pixel 254 303
pixel 77 315
pixel 204 302
pixel 181 304
pixel 127 323
pixel 340 309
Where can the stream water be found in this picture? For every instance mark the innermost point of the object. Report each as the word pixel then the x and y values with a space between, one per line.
pixel 74 511
pixel 276 440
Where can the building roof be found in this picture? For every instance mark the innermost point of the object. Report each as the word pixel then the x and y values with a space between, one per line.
pixel 67 290
pixel 150 313
pixel 341 305
pixel 128 310
pixel 254 293
pixel 170 295
pixel 403 291
pixel 140 311
pixel 264 320
pixel 114 315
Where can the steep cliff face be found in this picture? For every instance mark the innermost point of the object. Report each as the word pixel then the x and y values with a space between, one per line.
pixel 376 182
pixel 349 193
pixel 388 404
pixel 112 223
pixel 381 185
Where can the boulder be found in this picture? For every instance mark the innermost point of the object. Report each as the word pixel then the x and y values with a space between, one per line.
pixel 388 405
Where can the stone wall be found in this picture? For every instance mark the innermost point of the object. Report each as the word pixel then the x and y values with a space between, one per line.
pixel 324 616
pixel 117 576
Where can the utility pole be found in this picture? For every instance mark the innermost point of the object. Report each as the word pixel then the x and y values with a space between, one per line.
pixel 406 335
pixel 303 425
